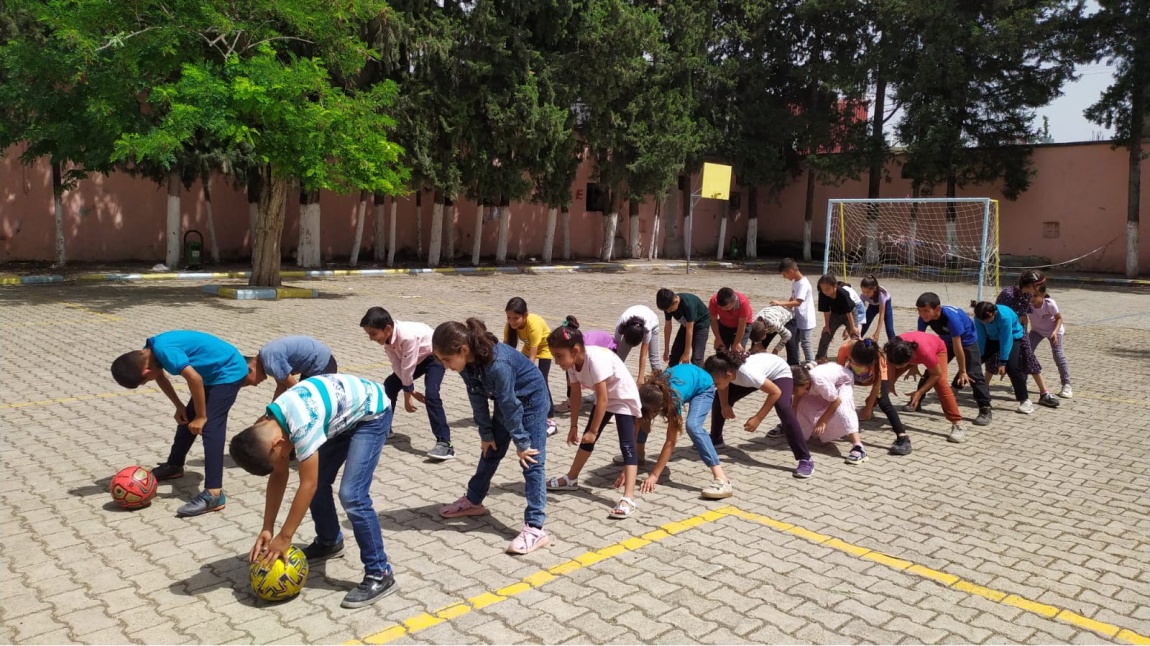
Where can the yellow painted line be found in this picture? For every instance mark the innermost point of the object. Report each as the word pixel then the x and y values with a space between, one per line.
pixel 949 580
pixel 426 620
pixel 77 306
pixel 1116 400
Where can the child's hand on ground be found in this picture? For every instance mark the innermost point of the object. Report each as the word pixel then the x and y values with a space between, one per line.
pixel 257 550
pixel 752 424
pixel 526 457
pixel 649 484
pixel 484 447
pixel 728 412
pixel 196 426
pixel 620 481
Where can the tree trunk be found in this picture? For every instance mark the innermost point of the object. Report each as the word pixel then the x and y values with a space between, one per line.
pixel 253 209
pixel 504 232
pixel 213 246
pixel 549 234
pixel 449 231
pixel 672 238
pixel 435 245
pixel 874 179
pixel 419 225
pixel 565 229
pixel 391 232
pixel 688 211
pixel 808 214
pixel 379 249
pixel 308 253
pixel 173 223
pixel 58 212
pixel 653 247
pixel 610 225
pixel 636 245
pixel 477 243
pixel 269 229
pixel 1139 129
pixel 751 245
pixel 360 216
pixel 724 207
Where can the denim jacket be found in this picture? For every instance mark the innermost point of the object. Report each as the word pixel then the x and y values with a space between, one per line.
pixel 516 386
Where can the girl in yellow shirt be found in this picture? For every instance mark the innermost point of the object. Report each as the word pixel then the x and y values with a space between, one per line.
pixel 532 330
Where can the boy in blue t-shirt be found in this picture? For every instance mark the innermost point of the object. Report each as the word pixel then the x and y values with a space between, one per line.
pixel 952 323
pixel 331 421
pixel 215 371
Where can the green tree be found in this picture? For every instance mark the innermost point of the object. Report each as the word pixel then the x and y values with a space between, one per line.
pixel 1121 34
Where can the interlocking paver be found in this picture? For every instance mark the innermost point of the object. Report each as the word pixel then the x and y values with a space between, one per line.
pixel 1051 507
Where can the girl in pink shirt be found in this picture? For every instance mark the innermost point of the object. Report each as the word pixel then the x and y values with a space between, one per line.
pixel 912 349
pixel 590 337
pixel 616 395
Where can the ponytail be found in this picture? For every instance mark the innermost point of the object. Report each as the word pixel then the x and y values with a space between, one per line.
pixel 725 361
pixel 570 322
pixel 450 337
pixel 1031 278
pixel 659 399
pixel 633 330
pixel 565 337
pixel 867 353
pixel 984 310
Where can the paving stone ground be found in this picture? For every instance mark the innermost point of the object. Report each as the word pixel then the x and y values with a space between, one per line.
pixel 1050 507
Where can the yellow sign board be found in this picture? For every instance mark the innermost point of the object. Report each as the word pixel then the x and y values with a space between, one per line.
pixel 716 182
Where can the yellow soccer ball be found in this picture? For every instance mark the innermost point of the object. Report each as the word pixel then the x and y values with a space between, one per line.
pixel 281 581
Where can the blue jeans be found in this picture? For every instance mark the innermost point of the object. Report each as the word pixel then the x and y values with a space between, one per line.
pixel 358 451
pixel 887 319
pixel 698 407
pixel 536 482
pixel 432 372
pixel 218 399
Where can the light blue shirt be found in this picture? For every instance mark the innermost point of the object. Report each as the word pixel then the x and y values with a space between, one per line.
pixel 217 361
pixel 688 381
pixel 301 355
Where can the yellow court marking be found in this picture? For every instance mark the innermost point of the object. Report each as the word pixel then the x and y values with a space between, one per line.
pixel 423 621
pixel 426 620
pixel 1115 400
pixel 144 391
pixel 91 312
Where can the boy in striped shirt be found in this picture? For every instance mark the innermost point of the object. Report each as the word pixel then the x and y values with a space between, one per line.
pixel 330 421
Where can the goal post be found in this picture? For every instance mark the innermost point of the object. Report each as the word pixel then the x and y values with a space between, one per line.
pixel 942 240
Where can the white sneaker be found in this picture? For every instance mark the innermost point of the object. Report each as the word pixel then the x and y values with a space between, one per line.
pixel 718 489
pixel 551 428
pixel 1066 392
pixel 957 433
pixel 1026 407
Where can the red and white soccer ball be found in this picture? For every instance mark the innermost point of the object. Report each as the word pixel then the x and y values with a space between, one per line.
pixel 133 488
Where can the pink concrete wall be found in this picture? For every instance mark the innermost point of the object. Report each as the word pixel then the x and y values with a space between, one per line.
pixel 120 218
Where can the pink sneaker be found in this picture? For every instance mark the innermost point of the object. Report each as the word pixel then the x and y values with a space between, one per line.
pixel 528 540
pixel 462 507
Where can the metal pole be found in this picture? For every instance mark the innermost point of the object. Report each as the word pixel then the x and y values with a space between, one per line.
pixel 827 246
pixel 982 262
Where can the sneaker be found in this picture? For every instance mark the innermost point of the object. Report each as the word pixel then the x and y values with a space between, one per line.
pixel 373 588
pixel 1049 401
pixel 907 408
pixel 618 460
pixel 1026 407
pixel 901 446
pixel 317 551
pixel 552 429
pixel 167 471
pixel 462 507
pixel 777 431
pixel 442 451
pixel 528 540
pixel 203 503
pixel 565 407
pixel 718 489
pixel 1067 392
pixel 805 469
pixel 957 434
pixel 857 455
pixel 719 445
pixel 984 416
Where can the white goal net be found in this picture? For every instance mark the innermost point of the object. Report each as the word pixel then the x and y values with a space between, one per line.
pixel 946 241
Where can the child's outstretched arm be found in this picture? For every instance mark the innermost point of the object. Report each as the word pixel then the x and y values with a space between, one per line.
pixel 576 409
pixel 166 388
pixel 773 395
pixel 664 457
pixel 933 374
pixel 199 399
pixel 511 409
pixel 963 377
pixel 643 349
pixel 821 424
pixel 275 548
pixel 689 344
pixel 667 340
pixel 599 413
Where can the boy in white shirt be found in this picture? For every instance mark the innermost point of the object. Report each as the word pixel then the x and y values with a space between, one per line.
pixel 802 302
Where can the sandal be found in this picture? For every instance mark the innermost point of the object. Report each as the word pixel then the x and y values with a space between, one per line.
pixel 562 483
pixel 624 509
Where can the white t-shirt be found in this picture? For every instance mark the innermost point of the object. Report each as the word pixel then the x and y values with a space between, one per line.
pixel 601 364
pixel 760 367
pixel 855 298
pixel 650 320
pixel 805 313
pixel 1042 318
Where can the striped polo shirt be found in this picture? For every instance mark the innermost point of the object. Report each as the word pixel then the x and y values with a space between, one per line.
pixel 325 406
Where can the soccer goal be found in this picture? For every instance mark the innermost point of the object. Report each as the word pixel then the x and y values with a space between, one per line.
pixel 947 241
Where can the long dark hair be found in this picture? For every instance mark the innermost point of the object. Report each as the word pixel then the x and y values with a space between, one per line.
pixel 983 310
pixel 899 351
pixel 633 330
pixel 801 375
pixel 658 398
pixel 565 337
pixel 1031 278
pixel 869 282
pixel 517 305
pixel 451 336
pixel 724 361
pixel 867 353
